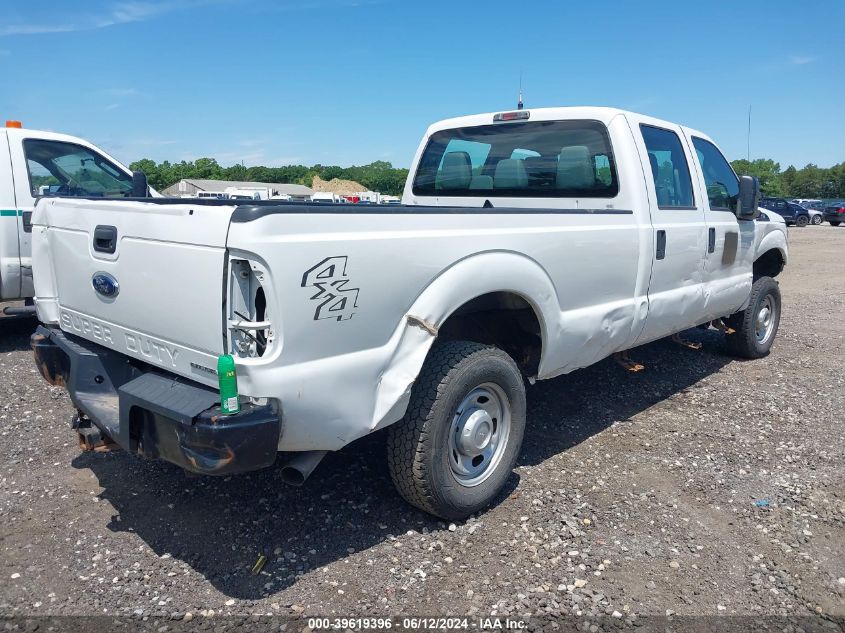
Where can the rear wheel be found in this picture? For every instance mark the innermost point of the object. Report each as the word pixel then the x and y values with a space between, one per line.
pixel 757 325
pixel 802 220
pixel 817 219
pixel 459 440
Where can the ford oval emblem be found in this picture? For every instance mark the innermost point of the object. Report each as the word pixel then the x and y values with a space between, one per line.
pixel 105 285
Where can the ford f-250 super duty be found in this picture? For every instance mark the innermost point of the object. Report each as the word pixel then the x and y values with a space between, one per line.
pixel 34 163
pixel 529 244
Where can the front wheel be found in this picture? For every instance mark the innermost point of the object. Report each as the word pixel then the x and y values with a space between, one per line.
pixel 832 223
pixel 757 325
pixel 802 220
pixel 459 440
pixel 817 219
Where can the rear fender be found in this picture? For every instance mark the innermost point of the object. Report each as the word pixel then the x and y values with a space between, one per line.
pixel 499 271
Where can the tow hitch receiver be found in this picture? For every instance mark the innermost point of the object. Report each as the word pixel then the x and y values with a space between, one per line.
pixel 90 437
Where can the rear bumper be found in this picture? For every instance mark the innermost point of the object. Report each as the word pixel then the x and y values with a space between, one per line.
pixel 156 414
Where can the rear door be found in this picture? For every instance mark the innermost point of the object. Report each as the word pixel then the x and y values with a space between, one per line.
pixel 676 290
pixel 144 278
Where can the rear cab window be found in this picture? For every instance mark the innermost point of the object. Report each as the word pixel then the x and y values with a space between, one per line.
pixel 541 159
pixel 59 168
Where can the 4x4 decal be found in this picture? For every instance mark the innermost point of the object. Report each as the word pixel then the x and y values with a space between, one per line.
pixel 336 299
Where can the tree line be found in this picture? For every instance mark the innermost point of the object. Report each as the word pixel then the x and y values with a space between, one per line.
pixel 808 182
pixel 378 176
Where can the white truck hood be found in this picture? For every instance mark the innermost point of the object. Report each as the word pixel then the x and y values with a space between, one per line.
pixel 165 275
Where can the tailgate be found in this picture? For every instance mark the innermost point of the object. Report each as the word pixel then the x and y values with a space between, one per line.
pixel 143 278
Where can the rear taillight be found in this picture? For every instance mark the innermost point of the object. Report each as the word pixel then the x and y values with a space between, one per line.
pixel 249 326
pixel 841 210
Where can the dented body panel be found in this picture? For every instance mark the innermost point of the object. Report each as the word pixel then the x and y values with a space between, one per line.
pixel 330 311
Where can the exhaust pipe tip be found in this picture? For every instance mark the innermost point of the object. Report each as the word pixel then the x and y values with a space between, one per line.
pixel 20 311
pixel 292 477
pixel 300 466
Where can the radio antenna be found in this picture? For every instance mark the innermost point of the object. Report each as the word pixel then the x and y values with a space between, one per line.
pixel 748 137
pixel 519 103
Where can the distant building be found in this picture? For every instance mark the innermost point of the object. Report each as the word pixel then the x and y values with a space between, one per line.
pixel 191 187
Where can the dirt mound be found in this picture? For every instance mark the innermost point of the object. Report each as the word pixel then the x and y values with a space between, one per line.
pixel 337 185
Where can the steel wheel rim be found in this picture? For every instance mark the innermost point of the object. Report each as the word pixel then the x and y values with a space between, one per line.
pixel 764 320
pixel 478 434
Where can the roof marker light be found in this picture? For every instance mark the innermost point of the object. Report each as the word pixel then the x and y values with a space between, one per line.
pixel 512 116
pixel 15 124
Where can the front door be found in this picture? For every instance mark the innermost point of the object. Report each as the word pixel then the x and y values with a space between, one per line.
pixel 730 243
pixel 676 296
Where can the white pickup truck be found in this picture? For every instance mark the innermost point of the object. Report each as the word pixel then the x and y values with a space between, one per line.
pixel 33 164
pixel 529 244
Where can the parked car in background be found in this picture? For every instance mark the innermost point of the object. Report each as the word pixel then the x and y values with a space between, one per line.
pixel 816 215
pixel 791 213
pixel 835 212
pixel 814 207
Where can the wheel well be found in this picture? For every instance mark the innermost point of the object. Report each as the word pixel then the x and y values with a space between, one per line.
pixel 769 264
pixel 503 319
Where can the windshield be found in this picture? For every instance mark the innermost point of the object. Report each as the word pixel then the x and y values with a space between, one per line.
pixel 550 159
pixel 65 169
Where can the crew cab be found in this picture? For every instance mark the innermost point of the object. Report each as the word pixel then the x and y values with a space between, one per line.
pixel 35 164
pixel 529 244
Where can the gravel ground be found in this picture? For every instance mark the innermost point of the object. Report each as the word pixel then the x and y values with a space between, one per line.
pixel 701 486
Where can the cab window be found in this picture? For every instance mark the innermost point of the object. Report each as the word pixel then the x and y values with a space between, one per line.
pixel 65 169
pixel 669 168
pixel 720 179
pixel 540 159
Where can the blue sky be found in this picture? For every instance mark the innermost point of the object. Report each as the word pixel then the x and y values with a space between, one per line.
pixel 352 81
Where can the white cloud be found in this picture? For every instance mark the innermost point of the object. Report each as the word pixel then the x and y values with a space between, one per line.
pixel 800 60
pixel 123 92
pixel 116 13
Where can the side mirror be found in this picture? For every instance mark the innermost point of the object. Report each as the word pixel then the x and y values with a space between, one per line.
pixel 140 189
pixel 749 198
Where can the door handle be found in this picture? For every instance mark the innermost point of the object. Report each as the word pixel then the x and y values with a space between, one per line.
pixel 711 241
pixel 661 245
pixel 105 239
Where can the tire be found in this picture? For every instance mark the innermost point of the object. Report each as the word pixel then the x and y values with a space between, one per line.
pixel 832 223
pixel 425 451
pixel 802 220
pixel 749 340
pixel 817 219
